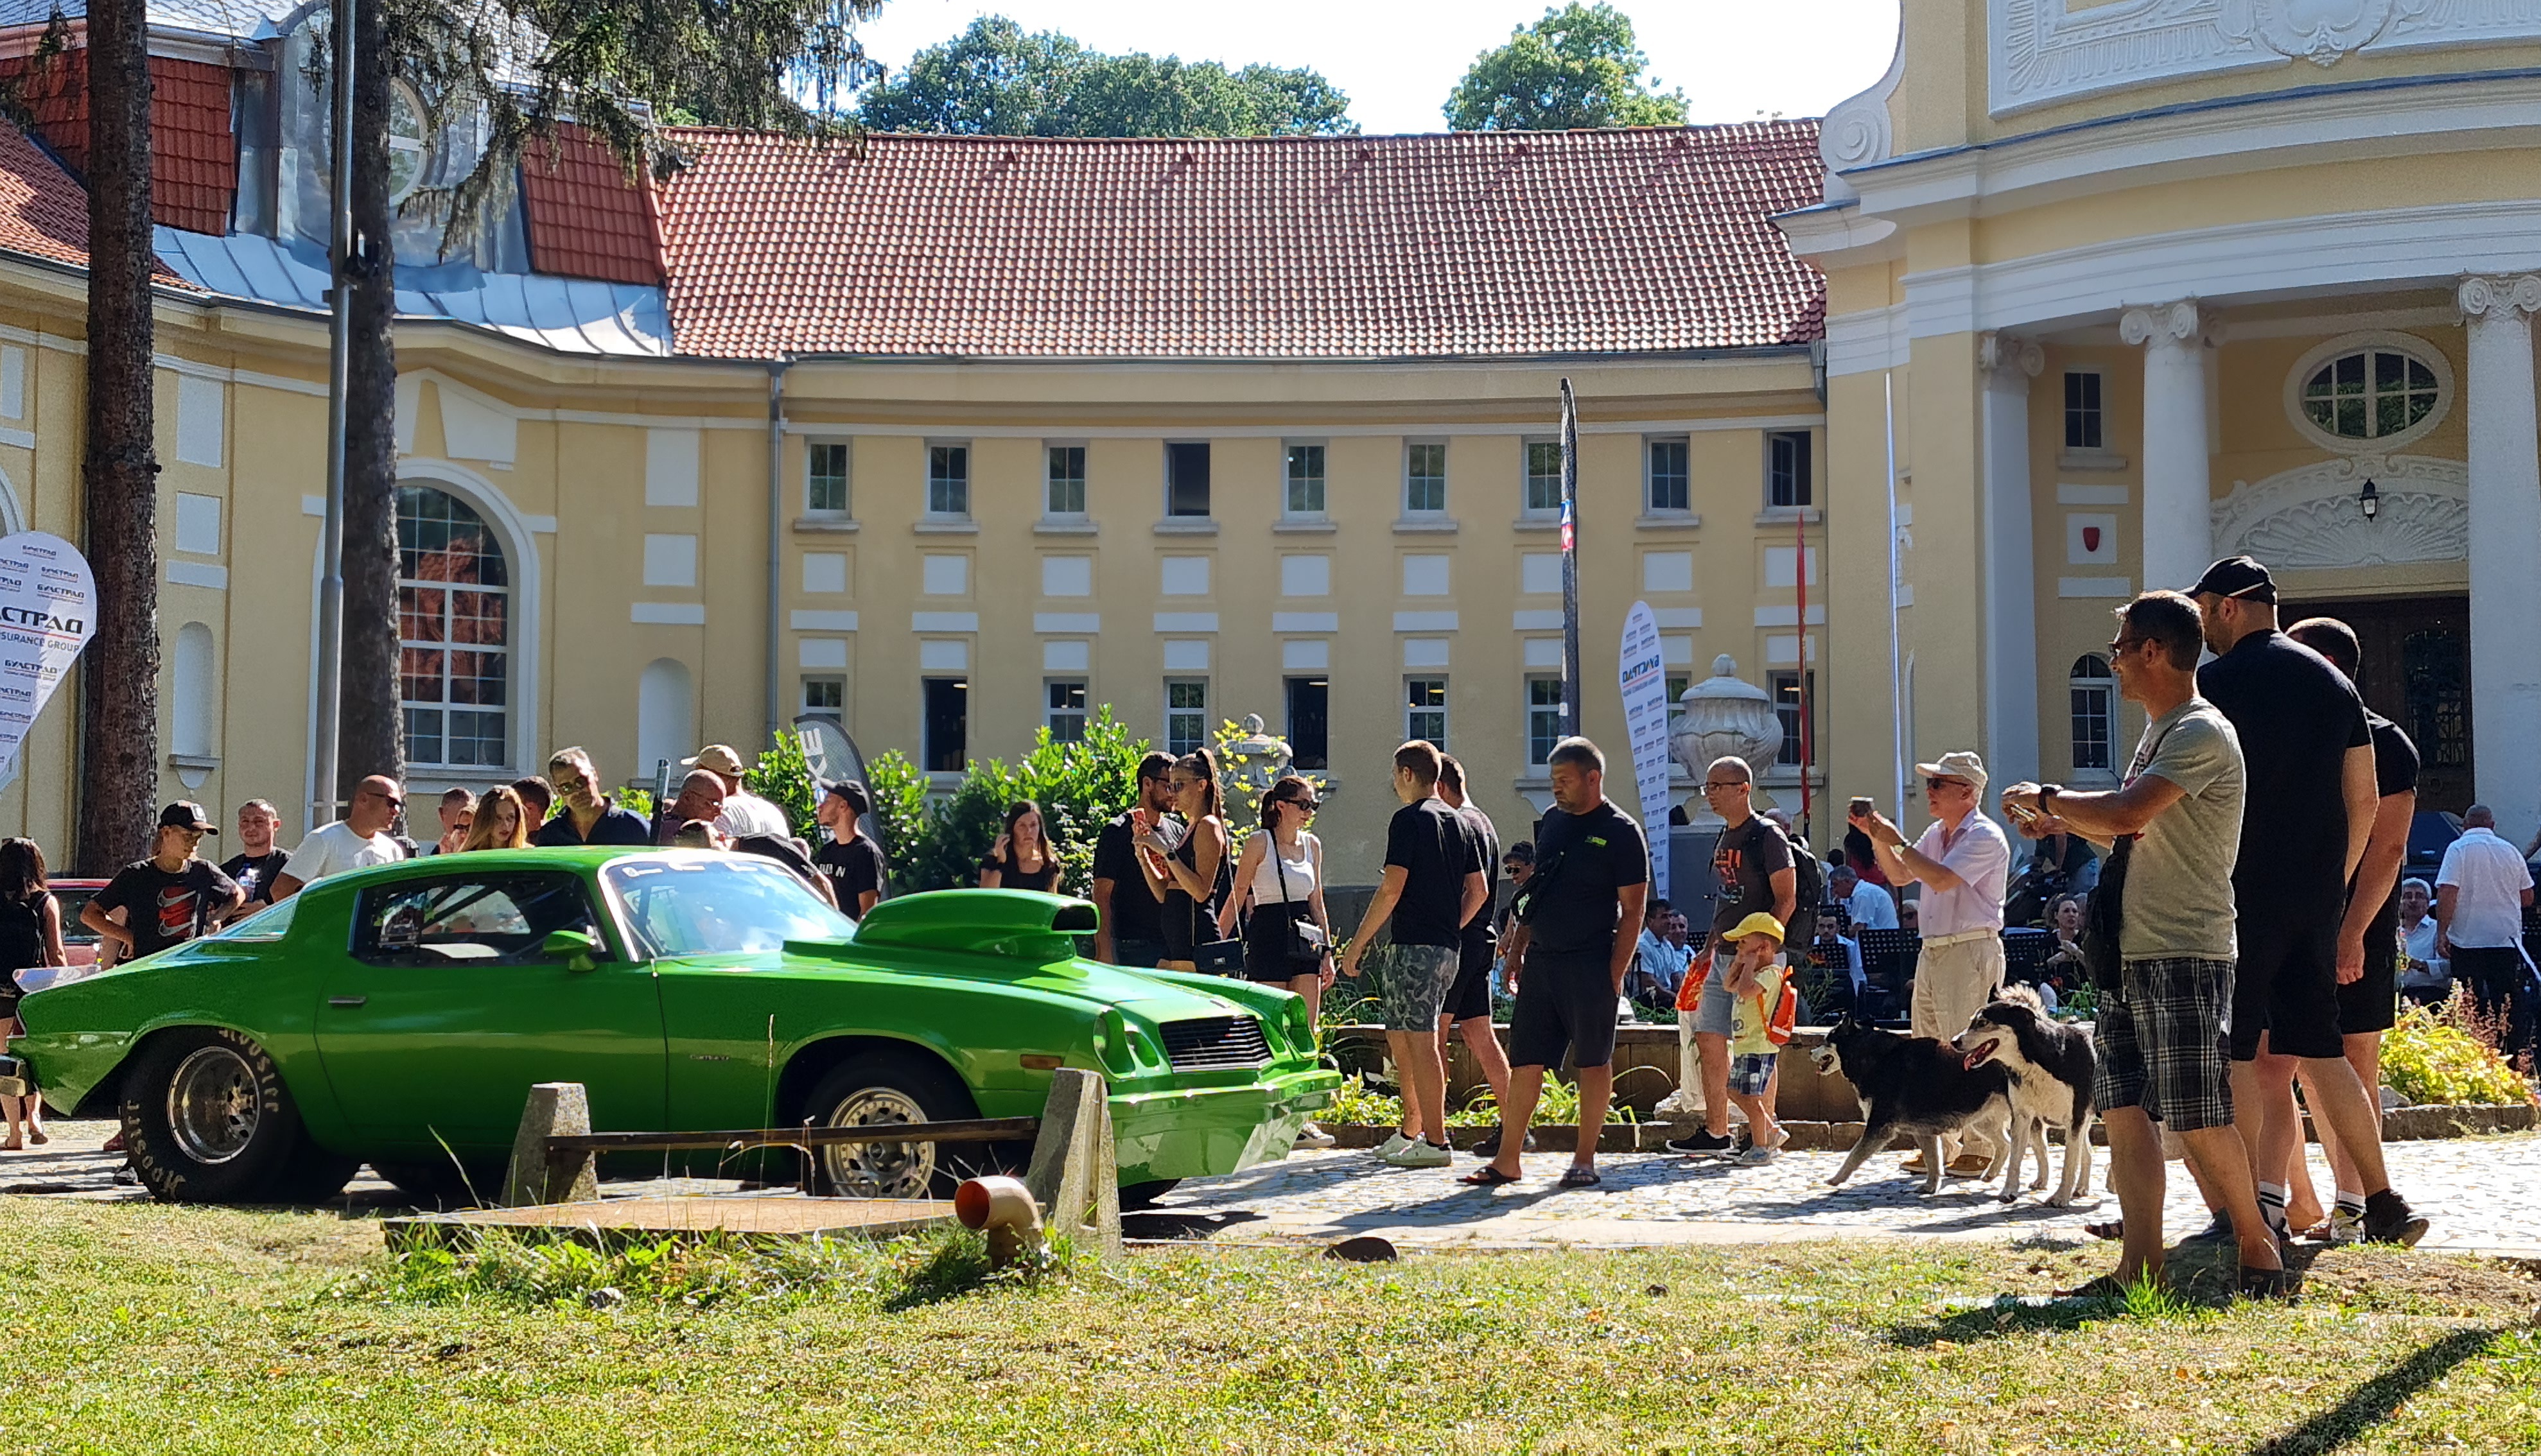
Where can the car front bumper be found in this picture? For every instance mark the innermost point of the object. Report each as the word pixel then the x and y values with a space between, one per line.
pixel 1200 1131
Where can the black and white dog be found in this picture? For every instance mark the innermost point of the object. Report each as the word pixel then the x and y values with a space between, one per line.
pixel 1920 1086
pixel 2051 1065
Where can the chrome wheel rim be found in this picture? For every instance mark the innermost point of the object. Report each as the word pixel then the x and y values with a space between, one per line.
pixel 213 1106
pixel 878 1170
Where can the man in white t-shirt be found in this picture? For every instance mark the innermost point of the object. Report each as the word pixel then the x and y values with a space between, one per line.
pixel 356 842
pixel 2480 895
pixel 744 813
pixel 1865 904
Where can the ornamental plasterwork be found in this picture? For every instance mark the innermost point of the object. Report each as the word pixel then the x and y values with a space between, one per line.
pixel 2311 518
pixel 2044 51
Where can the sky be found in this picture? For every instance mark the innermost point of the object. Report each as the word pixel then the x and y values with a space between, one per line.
pixel 1397 59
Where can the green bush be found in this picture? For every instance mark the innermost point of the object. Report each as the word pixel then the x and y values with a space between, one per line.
pixel 2429 1058
pixel 938 844
pixel 785 779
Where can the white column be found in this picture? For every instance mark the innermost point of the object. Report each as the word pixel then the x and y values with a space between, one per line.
pixel 2178 505
pixel 2504 543
pixel 2008 364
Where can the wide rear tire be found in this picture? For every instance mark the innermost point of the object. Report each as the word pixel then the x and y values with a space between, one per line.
pixel 207 1119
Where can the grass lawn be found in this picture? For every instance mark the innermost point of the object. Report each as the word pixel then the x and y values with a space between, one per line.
pixel 138 1328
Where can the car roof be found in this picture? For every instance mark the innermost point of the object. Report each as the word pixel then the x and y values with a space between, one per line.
pixel 583 857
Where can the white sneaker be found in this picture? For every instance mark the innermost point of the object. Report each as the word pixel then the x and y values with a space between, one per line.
pixel 1394 1142
pixel 1757 1155
pixel 1419 1155
pixel 2346 1227
pixel 1311 1135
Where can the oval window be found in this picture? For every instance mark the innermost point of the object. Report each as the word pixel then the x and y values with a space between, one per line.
pixel 2370 394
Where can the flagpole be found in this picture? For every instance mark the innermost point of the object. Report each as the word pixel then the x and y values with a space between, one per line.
pixel 1801 573
pixel 1572 724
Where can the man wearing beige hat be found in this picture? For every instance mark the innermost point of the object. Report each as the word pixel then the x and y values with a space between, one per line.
pixel 1961 861
pixel 744 813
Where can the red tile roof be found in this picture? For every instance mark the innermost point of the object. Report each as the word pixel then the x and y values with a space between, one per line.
pixel 1474 243
pixel 194 161
pixel 586 219
pixel 42 211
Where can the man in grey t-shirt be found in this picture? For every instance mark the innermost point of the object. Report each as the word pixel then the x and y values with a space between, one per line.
pixel 2162 1034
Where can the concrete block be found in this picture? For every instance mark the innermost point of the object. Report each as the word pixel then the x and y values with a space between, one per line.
pixel 554 1110
pixel 1075 1173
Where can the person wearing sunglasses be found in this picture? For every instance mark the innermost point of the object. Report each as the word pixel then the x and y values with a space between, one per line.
pixel 358 840
pixel 171 896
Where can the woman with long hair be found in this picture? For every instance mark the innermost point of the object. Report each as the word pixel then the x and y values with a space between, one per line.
pixel 31 935
pixel 1280 881
pixel 1186 873
pixel 500 821
pixel 1021 858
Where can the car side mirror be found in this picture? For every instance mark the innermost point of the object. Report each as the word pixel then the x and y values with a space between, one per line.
pixel 579 949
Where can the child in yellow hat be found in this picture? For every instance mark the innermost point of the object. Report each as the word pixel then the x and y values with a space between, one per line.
pixel 1762 1015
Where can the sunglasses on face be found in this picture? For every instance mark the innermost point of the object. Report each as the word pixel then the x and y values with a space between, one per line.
pixel 392 800
pixel 1936 785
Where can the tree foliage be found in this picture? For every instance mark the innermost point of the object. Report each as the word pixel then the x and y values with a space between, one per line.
pixel 938 844
pixel 996 80
pixel 1578 66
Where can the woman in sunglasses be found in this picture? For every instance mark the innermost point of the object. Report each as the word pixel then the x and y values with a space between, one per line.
pixel 1280 881
pixel 1186 873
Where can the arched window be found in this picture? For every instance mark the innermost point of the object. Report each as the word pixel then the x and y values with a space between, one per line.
pixel 455 620
pixel 2370 394
pixel 2095 705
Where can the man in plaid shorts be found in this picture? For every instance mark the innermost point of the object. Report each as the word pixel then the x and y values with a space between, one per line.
pixel 2163 1036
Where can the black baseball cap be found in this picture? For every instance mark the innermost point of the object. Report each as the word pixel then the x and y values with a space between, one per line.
pixel 185 814
pixel 2237 576
pixel 853 792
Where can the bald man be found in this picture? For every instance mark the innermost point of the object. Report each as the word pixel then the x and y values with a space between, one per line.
pixel 701 797
pixel 357 841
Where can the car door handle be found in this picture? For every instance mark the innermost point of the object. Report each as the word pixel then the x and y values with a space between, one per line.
pixel 347 1000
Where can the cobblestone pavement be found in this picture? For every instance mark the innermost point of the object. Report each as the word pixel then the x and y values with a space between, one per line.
pixel 2483 1194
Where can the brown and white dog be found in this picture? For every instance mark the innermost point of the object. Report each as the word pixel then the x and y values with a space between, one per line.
pixel 2050 1066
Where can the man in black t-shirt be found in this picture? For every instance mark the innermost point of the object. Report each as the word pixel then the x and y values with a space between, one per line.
pixel 1129 926
pixel 169 897
pixel 1469 1001
pixel 258 858
pixel 1433 884
pixel 850 861
pixel 1573 941
pixel 2306 819
pixel 1753 863
pixel 2369 935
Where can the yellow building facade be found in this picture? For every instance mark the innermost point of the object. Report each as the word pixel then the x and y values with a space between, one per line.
pixel 2114 289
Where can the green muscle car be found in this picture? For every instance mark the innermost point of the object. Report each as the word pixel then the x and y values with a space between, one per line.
pixel 398 1016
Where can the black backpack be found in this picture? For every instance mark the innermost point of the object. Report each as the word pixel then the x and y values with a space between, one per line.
pixel 1808 892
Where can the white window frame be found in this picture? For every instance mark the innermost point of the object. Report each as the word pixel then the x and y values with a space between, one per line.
pixel 1804 680
pixel 1411 509
pixel 1318 485
pixel 1531 709
pixel 845 508
pixel 1201 741
pixel 2101 686
pixel 1166 459
pixel 931 512
pixel 1650 447
pixel 804 697
pixel 1051 478
pixel 1414 710
pixel 1526 476
pixel 419 145
pixel 2096 411
pixel 1051 712
pixel 2408 346
pixel 1805 485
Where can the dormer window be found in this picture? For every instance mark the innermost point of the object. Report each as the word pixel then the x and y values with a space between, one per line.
pixel 409 146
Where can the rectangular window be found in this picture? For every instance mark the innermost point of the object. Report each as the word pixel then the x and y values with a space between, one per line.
pixel 1785 688
pixel 948 725
pixel 1065 713
pixel 1305 479
pixel 2082 410
pixel 1424 477
pixel 1424 709
pixel 826 696
pixel 1543 720
pixel 825 477
pixel 1787 468
pixel 948 479
pixel 1671 485
pixel 1310 703
pixel 1186 479
pixel 1542 477
pixel 2094 724
pixel 1185 715
pixel 1067 482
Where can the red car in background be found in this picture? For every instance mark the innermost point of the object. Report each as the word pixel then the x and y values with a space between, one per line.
pixel 79 942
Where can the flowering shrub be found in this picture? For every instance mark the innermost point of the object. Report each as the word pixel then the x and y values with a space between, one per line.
pixel 2429 1058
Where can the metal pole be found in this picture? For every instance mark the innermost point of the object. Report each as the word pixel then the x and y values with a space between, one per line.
pixel 340 363
pixel 1571 722
pixel 776 552
pixel 1896 572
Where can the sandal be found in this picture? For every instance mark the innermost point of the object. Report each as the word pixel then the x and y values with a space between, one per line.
pixel 1486 1176
pixel 1969 1165
pixel 1578 1177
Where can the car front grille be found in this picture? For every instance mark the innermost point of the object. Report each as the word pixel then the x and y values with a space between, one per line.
pixel 1209 1042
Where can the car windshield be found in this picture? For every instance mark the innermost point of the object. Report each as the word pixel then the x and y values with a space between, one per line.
pixel 703 903
pixel 269 923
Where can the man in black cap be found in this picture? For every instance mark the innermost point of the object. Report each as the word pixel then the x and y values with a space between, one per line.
pixel 171 896
pixel 2309 815
pixel 851 862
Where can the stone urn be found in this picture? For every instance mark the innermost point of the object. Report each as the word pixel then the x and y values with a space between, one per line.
pixel 1254 761
pixel 1724 716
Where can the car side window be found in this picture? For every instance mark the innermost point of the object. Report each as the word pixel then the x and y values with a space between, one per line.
pixel 498 919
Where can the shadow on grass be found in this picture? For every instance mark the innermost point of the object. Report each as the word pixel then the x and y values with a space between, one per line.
pixel 2376 1399
pixel 1995 1320
pixel 1160 1224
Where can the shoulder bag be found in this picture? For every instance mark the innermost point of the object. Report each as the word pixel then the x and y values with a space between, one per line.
pixel 1307 942
pixel 2104 914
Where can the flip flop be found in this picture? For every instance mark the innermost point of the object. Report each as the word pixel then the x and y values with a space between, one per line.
pixel 2111 1229
pixel 1486 1176
pixel 1580 1178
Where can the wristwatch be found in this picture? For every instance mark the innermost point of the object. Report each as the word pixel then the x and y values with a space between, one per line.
pixel 2047 793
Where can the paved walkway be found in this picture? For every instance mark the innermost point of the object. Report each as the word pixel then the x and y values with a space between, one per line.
pixel 2482 1193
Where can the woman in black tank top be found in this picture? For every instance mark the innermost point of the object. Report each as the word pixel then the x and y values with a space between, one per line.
pixel 31 935
pixel 1021 859
pixel 1190 878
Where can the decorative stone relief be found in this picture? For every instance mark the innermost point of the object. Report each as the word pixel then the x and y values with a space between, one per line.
pixel 2015 359
pixel 1857 132
pixel 2311 517
pixel 2045 51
